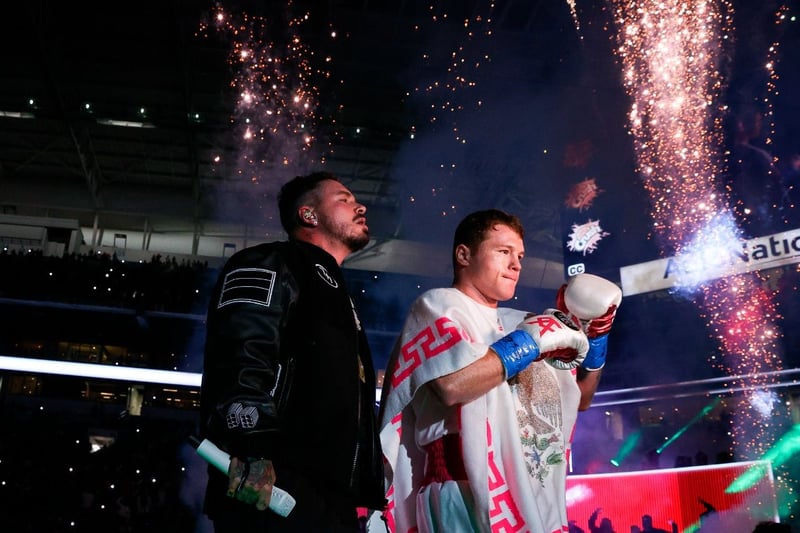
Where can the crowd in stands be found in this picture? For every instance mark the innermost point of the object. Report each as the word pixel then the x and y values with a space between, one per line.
pixel 51 481
pixel 162 284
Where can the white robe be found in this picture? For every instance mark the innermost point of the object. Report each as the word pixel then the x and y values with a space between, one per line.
pixel 515 438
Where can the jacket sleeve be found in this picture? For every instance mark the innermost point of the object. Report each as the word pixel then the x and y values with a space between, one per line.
pixel 244 377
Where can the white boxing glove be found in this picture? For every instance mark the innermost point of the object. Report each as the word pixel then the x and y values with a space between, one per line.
pixel 561 342
pixel 551 336
pixel 593 302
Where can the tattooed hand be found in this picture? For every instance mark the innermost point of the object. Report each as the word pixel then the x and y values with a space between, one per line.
pixel 251 481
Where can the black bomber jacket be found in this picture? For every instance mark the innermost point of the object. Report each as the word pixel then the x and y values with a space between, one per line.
pixel 288 374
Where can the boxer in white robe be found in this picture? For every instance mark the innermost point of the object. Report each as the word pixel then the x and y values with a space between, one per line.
pixel 492 457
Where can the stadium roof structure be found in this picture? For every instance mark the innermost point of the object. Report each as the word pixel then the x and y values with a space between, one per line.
pixel 173 123
pixel 128 118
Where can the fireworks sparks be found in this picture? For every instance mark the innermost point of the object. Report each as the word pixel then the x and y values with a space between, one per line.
pixel 447 94
pixel 770 65
pixel 574 13
pixel 671 53
pixel 275 81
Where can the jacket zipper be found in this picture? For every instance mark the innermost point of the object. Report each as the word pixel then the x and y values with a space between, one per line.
pixel 282 387
pixel 277 381
pixel 358 444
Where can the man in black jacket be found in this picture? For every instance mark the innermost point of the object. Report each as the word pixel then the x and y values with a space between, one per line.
pixel 288 382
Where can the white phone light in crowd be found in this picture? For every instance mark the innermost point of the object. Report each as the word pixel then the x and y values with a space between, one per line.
pixel 281 501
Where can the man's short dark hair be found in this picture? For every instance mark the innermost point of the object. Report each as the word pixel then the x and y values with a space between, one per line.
pixel 471 231
pixel 296 192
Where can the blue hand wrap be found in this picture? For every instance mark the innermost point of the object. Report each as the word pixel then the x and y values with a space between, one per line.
pixel 596 357
pixel 516 351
